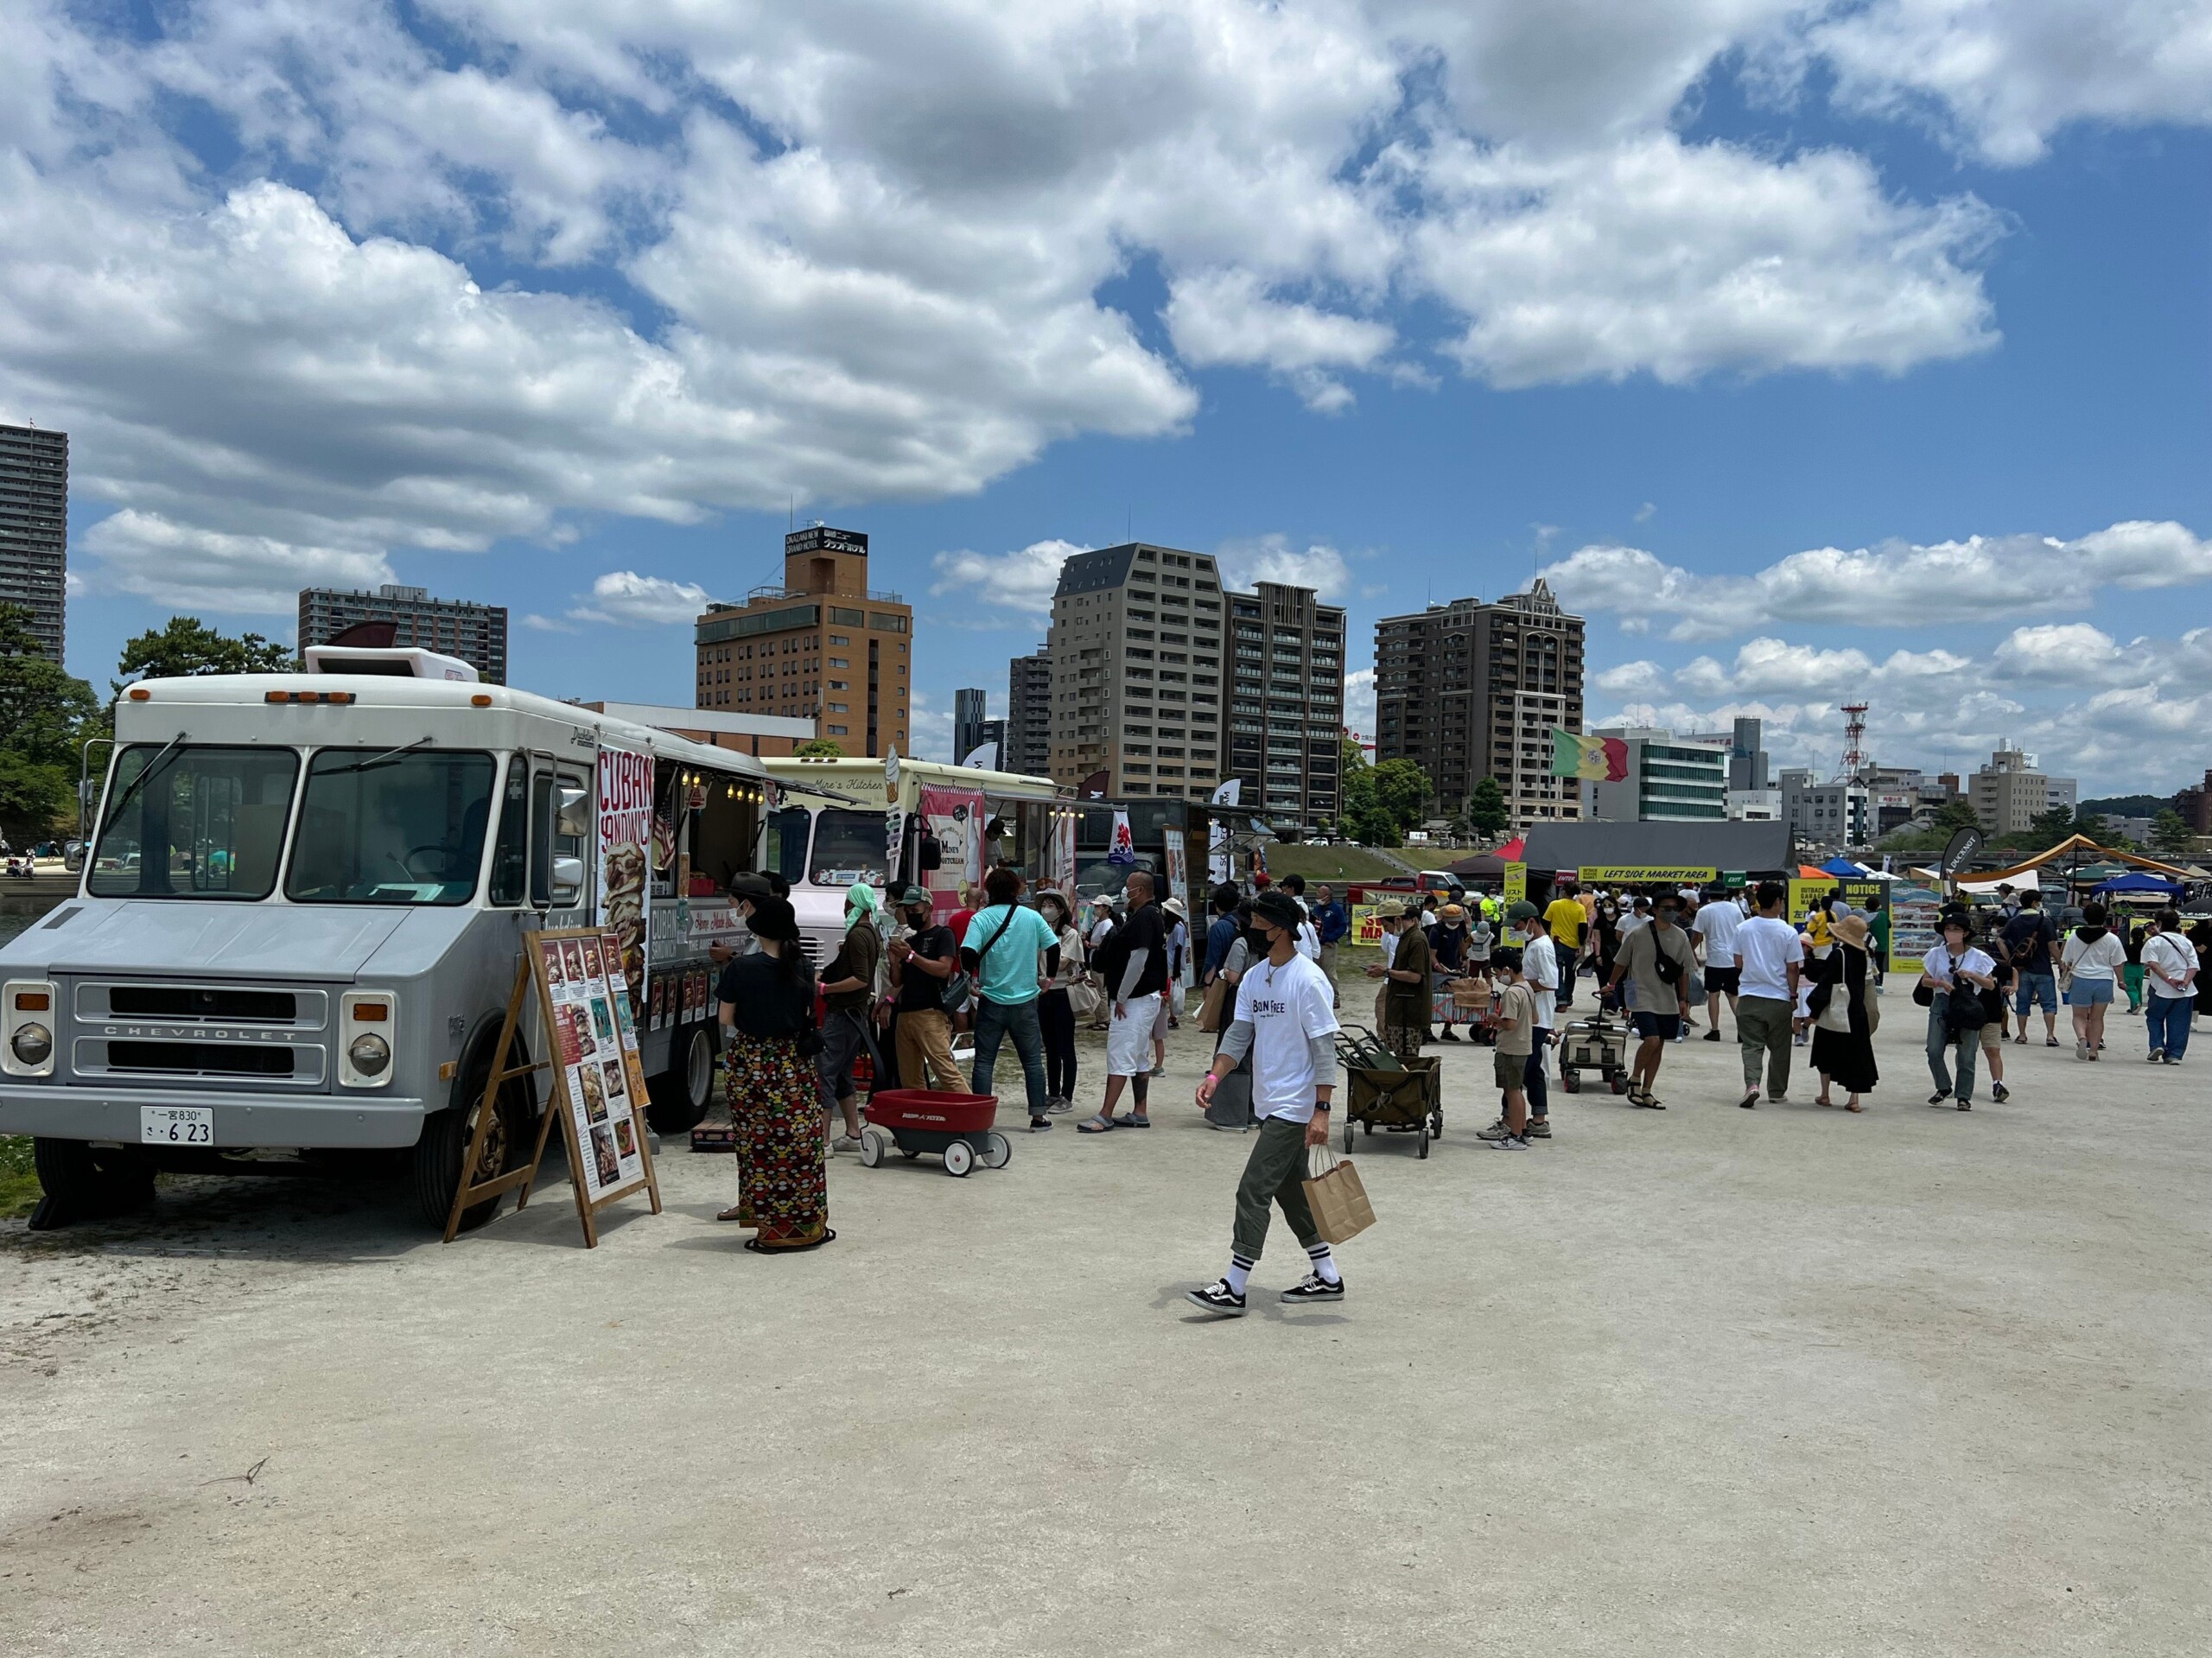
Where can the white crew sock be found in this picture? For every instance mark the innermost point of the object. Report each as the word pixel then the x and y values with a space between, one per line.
pixel 1239 1272
pixel 1324 1263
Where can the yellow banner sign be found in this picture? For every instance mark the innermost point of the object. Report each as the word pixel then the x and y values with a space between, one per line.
pixel 1631 874
pixel 1366 925
pixel 1517 883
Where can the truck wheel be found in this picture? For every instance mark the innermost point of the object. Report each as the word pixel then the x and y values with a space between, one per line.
pixel 82 1184
pixel 680 1097
pixel 435 1171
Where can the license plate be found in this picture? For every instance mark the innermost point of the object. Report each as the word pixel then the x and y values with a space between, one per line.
pixel 176 1125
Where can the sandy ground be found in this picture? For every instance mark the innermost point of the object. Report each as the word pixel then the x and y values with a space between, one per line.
pixel 1698 1381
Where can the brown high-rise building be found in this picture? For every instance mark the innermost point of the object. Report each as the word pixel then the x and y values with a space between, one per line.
pixel 820 647
pixel 1029 715
pixel 1472 691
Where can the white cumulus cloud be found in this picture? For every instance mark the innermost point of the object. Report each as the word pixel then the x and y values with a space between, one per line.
pixel 1022 580
pixel 1275 558
pixel 626 597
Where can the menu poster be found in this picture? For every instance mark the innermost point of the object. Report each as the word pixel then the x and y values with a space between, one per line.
pixel 625 1026
pixel 603 1077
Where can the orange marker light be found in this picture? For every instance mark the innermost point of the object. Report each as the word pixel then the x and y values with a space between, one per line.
pixel 32 1001
pixel 371 1012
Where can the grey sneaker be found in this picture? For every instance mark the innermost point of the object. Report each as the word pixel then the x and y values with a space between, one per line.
pixel 846 1143
pixel 1496 1131
pixel 1539 1128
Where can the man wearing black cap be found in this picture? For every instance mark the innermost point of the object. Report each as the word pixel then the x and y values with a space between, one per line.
pixel 1284 1021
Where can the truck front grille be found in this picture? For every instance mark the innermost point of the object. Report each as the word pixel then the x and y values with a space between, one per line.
pixel 180 1001
pixel 199 1059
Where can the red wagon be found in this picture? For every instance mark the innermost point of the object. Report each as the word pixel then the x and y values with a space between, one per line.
pixel 956 1126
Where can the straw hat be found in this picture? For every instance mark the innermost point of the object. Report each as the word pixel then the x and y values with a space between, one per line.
pixel 1852 929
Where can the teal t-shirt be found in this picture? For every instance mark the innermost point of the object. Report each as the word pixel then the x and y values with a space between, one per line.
pixel 1009 972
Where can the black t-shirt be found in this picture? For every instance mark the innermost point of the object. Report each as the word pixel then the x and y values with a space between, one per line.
pixel 1140 930
pixel 2029 936
pixel 919 992
pixel 766 1004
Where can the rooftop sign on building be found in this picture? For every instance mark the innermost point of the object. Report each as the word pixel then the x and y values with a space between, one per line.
pixel 821 538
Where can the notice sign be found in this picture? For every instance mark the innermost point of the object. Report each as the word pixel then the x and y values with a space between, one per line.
pixel 626 839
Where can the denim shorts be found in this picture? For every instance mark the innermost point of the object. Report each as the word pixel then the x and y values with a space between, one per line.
pixel 2035 988
pixel 2089 992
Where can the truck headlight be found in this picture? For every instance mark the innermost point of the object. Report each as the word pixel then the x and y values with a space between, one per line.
pixel 366 1022
pixel 28 1012
pixel 32 1043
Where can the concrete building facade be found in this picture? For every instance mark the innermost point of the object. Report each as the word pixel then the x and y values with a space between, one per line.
pixel 1029 714
pixel 1136 670
pixel 2009 791
pixel 1670 780
pixel 455 627
pixel 1470 690
pixel 824 647
pixel 34 530
pixel 1283 671
pixel 1838 813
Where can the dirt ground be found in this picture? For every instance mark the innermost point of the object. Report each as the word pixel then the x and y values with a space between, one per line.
pixel 1702 1380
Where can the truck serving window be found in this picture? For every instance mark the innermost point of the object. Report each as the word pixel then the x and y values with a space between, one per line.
pixel 848 846
pixel 391 826
pixel 190 821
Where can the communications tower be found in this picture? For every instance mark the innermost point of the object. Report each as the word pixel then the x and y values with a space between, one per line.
pixel 1854 740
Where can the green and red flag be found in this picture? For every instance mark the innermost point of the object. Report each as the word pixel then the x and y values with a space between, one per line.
pixel 1596 759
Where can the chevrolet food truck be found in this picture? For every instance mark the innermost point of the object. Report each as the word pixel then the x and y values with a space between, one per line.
pixel 302 912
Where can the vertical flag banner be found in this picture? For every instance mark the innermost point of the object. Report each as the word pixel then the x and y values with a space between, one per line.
pixel 1220 865
pixel 626 839
pixel 1063 870
pixel 1595 759
pixel 1123 851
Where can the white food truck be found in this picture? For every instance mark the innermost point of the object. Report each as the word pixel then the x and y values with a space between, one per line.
pixel 300 919
pixel 946 824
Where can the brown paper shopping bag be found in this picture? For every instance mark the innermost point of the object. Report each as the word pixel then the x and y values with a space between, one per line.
pixel 1335 1195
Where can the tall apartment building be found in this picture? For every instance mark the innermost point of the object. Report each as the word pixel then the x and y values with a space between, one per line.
pixel 1670 780
pixel 967 712
pixel 821 647
pixel 454 627
pixel 34 530
pixel 1136 665
pixel 1029 714
pixel 1472 691
pixel 2009 791
pixel 1283 669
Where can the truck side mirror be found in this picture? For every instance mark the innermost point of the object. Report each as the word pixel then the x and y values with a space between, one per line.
pixel 568 882
pixel 573 815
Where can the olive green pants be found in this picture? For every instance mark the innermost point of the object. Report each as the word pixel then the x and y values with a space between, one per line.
pixel 1275 1172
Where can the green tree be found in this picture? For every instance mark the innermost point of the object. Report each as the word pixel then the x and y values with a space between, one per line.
pixel 2094 826
pixel 819 748
pixel 1403 791
pixel 2169 832
pixel 1364 819
pixel 188 646
pixel 36 799
pixel 1954 814
pixel 1485 807
pixel 45 714
pixel 2048 829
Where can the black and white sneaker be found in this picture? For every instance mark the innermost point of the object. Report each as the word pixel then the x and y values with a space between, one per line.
pixel 1218 1297
pixel 1314 1287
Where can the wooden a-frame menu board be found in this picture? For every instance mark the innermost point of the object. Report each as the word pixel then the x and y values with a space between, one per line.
pixel 598 1079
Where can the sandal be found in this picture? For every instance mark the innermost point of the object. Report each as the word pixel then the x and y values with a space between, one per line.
pixel 828 1235
pixel 1822 1099
pixel 1100 1124
pixel 1854 1106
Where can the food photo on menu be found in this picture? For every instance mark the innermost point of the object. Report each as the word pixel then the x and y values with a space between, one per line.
pixel 572 965
pixel 594 1092
pixel 616 1092
pixel 572 1036
pixel 604 1158
pixel 626 1136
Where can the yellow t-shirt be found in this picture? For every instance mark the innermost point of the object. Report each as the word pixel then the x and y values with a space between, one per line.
pixel 1566 920
pixel 1816 929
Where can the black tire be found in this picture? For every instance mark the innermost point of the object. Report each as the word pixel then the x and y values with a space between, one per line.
pixel 1421 1145
pixel 434 1173
pixel 1570 1081
pixel 677 1100
pixel 85 1184
pixel 1347 1139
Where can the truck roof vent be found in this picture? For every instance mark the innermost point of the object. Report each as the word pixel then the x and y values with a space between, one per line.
pixel 395 662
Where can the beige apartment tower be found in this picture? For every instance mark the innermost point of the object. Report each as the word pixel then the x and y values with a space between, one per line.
pixel 822 647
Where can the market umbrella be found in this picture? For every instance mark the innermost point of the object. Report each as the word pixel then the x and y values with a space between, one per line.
pixel 1844 866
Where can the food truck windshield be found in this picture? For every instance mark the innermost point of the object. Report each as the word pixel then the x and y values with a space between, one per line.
pixel 848 846
pixel 377 825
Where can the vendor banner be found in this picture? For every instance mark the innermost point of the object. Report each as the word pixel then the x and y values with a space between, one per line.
pixel 954 818
pixel 1608 874
pixel 1914 915
pixel 1366 926
pixel 625 848
pixel 1179 879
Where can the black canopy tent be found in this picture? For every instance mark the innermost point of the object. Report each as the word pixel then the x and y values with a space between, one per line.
pixel 1754 850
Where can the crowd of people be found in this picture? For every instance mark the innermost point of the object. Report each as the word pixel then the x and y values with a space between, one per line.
pixel 904 989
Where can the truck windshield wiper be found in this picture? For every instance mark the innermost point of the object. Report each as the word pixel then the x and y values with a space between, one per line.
pixel 384 759
pixel 130 789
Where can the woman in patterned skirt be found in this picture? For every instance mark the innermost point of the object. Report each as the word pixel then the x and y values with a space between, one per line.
pixel 775 1097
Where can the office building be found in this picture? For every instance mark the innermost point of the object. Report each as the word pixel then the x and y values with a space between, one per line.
pixel 2008 792
pixel 1754 805
pixel 454 627
pixel 1283 671
pixel 34 530
pixel 968 710
pixel 766 736
pixel 821 646
pixel 2195 805
pixel 1136 652
pixel 1838 813
pixel 1670 780
pixel 1472 690
pixel 1747 761
pixel 1029 714
pixel 989 750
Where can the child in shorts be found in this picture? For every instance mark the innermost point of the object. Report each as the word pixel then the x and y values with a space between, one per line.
pixel 1513 1018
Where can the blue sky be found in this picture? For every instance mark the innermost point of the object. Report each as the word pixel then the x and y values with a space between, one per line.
pixel 1813 350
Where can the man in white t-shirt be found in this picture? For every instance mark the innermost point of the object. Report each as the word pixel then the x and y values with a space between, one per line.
pixel 2169 969
pixel 1283 1019
pixel 1714 928
pixel 1539 969
pixel 1769 958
